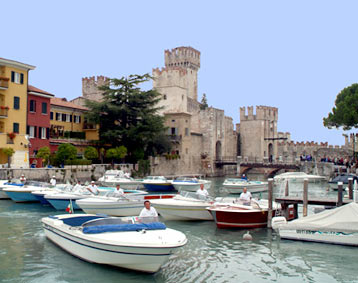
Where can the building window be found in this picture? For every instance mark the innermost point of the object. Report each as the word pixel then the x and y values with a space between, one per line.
pixel 16 128
pixel 31 131
pixel 68 118
pixel 77 119
pixel 58 117
pixel 44 108
pixel 187 131
pixel 173 121
pixel 32 105
pixel 17 77
pixel 51 115
pixel 16 102
pixel 43 133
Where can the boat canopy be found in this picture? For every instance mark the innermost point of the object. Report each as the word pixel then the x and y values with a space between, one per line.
pixel 341 219
pixel 343 178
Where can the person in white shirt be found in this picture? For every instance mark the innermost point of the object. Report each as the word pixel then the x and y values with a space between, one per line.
pixel 78 186
pixel 118 191
pixel 93 188
pixel 148 211
pixel 201 191
pixel 53 181
pixel 245 197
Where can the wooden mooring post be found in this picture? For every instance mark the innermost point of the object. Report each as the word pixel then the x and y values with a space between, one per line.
pixel 340 194
pixel 286 189
pixel 350 188
pixel 269 215
pixel 305 197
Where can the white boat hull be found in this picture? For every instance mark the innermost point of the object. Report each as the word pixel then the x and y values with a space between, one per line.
pixel 237 189
pixel 121 249
pixel 338 238
pixel 111 208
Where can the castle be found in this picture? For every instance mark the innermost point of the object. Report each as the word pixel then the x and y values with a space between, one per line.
pixel 200 136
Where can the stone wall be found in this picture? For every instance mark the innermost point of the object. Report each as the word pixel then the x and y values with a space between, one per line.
pixel 90 86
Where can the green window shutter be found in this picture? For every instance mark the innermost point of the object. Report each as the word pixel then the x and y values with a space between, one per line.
pixel 21 78
pixel 12 76
pixel 16 102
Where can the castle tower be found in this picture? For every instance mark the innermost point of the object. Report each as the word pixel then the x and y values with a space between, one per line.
pixel 90 86
pixel 258 133
pixel 178 80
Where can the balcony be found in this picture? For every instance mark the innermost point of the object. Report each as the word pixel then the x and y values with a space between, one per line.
pixel 4 83
pixel 175 138
pixel 89 126
pixel 3 111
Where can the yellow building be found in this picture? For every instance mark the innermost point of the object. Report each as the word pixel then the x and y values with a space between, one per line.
pixel 13 111
pixel 68 125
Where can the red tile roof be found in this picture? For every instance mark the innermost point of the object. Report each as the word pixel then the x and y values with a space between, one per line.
pixel 35 89
pixel 64 103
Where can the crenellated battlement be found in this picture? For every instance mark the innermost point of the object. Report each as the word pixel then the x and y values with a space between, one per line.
pixel 262 113
pixel 158 71
pixel 90 87
pixel 185 57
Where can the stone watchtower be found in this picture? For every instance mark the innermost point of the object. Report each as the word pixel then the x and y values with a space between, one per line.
pixel 178 80
pixel 258 133
pixel 90 86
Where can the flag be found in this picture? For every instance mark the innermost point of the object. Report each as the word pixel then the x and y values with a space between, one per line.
pixel 69 208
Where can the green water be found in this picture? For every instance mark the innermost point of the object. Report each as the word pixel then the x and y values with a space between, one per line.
pixel 211 255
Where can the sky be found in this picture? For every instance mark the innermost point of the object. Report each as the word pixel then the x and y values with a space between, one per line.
pixel 293 55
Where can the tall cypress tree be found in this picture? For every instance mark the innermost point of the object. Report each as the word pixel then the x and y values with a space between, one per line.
pixel 128 116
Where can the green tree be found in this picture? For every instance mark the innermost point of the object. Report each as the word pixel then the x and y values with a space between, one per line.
pixel 116 153
pixel 128 115
pixel 8 151
pixel 65 152
pixel 204 102
pixel 44 153
pixel 91 153
pixel 345 112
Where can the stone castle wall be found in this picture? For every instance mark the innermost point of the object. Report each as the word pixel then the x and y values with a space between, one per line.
pixel 90 86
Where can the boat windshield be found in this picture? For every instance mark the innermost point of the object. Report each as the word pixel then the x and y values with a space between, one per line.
pixel 195 196
pixel 120 220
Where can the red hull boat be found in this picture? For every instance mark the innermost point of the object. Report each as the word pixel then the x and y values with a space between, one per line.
pixel 240 216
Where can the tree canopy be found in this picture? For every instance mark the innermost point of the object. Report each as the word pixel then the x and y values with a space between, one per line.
pixel 345 112
pixel 128 115
pixel 204 102
pixel 90 153
pixel 44 153
pixel 65 152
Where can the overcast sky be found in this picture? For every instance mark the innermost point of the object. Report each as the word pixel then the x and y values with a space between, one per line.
pixel 294 55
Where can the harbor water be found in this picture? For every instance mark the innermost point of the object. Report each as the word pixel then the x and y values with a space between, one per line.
pixel 211 255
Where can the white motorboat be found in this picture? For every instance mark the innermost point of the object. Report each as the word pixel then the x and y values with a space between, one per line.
pixel 111 205
pixel 236 186
pixel 19 192
pixel 298 177
pixel 132 243
pixel 186 184
pixel 186 206
pixel 115 177
pixel 3 195
pixel 334 226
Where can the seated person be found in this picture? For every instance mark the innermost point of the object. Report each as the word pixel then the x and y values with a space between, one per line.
pixel 148 211
pixel 202 191
pixel 243 177
pixel 93 188
pixel 245 197
pixel 118 191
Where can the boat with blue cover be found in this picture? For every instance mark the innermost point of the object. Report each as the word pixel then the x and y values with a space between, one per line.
pixel 141 244
pixel 157 184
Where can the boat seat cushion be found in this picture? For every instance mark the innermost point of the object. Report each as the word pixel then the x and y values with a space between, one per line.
pixel 123 227
pixel 78 221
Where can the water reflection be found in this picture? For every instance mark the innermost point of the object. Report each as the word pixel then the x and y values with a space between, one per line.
pixel 211 255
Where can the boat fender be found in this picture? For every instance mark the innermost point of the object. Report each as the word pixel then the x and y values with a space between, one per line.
pixel 247 236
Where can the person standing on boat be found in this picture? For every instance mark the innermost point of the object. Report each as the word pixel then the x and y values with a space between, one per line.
pixel 93 188
pixel 245 197
pixel 118 191
pixel 78 186
pixel 23 179
pixel 201 191
pixel 243 177
pixel 148 211
pixel 53 181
